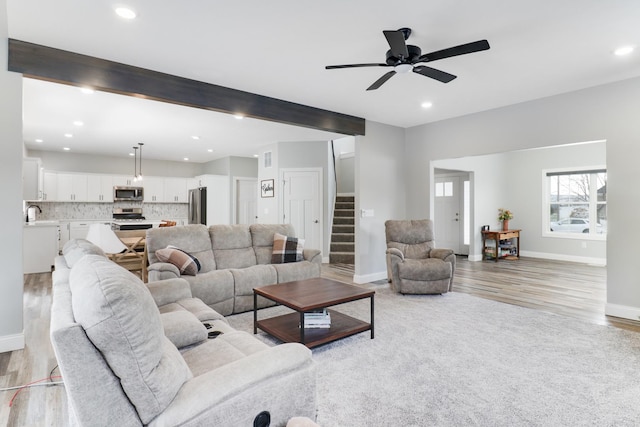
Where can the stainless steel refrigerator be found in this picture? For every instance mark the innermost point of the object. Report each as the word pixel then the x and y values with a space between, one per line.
pixel 198 206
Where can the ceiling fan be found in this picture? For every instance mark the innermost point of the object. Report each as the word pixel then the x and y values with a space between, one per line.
pixel 404 57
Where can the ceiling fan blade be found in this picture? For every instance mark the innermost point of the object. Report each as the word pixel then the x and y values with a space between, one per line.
pixel 381 80
pixel 397 43
pixel 333 67
pixel 455 51
pixel 441 76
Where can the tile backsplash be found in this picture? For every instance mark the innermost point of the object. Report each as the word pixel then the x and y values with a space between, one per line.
pixel 103 211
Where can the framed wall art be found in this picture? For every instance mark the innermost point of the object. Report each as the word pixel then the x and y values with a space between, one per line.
pixel 266 188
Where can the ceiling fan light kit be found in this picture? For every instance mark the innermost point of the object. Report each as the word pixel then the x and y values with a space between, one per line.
pixel 404 58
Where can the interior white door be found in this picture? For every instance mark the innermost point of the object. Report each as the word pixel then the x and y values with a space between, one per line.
pixel 302 204
pixel 246 201
pixel 448 217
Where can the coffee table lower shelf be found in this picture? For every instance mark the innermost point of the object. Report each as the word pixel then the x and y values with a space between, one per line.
pixel 286 328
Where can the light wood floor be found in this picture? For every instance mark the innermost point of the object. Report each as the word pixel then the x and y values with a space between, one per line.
pixel 569 289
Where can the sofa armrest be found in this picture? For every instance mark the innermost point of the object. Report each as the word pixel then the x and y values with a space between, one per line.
pixel 440 253
pixel 162 271
pixel 395 252
pixel 313 255
pixel 170 290
pixel 287 369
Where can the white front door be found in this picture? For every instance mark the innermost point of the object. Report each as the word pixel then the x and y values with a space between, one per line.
pixel 246 201
pixel 302 204
pixel 448 217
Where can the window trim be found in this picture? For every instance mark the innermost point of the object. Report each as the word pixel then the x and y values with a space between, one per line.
pixel 545 223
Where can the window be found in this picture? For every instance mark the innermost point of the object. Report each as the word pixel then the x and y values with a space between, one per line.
pixel 576 203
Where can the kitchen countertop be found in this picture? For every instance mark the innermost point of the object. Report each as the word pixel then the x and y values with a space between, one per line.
pixel 46 223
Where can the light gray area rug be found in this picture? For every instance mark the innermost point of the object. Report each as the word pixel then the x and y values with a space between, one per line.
pixel 458 360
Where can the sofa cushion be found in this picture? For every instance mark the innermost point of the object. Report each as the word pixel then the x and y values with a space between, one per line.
pixel 231 246
pixel 262 239
pixel 186 263
pixel 121 319
pixel 286 249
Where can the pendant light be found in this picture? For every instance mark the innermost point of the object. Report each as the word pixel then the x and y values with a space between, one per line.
pixel 135 164
pixel 140 144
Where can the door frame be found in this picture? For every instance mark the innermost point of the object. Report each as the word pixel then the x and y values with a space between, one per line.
pixel 463 176
pixel 320 200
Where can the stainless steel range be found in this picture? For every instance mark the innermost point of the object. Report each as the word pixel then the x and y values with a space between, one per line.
pixel 129 219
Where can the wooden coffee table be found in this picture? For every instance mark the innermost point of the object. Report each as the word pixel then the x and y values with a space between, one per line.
pixel 307 295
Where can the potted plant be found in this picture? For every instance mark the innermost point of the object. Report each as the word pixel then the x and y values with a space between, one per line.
pixel 504 215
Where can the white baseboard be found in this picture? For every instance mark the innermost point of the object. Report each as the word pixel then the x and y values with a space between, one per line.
pixel 11 342
pixel 624 311
pixel 475 258
pixel 366 278
pixel 325 260
pixel 560 257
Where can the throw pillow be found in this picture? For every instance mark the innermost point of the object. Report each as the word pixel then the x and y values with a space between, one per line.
pixel 186 263
pixel 286 249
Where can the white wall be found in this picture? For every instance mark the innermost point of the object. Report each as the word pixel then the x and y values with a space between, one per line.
pixel 11 281
pixel 380 186
pixel 607 112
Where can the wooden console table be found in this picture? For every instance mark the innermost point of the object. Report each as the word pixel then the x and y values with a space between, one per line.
pixel 497 237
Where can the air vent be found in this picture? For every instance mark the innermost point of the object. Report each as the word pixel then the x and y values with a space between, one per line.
pixel 267 159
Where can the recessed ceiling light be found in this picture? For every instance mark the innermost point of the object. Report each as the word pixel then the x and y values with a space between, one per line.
pixel 426 104
pixel 78 123
pixel 624 50
pixel 66 148
pixel 238 116
pixel 68 135
pixel 195 137
pixel 210 150
pixel 125 13
pixel 186 159
pixel 131 154
pixel 87 90
pixel 256 155
pixel 39 141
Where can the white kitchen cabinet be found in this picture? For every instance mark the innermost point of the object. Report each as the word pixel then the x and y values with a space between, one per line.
pixel 79 229
pixel 125 181
pixel 72 187
pixel 63 234
pixel 50 186
pixel 32 178
pixel 153 189
pixel 39 247
pixel 175 190
pixel 100 188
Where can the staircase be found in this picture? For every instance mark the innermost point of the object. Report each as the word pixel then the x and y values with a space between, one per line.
pixel 342 249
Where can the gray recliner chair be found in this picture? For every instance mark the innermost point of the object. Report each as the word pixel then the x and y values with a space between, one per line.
pixel 414 265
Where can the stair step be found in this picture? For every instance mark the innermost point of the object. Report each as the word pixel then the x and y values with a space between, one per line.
pixel 345 198
pixel 343 247
pixel 344 205
pixel 340 228
pixel 343 220
pixel 343 237
pixel 343 212
pixel 341 258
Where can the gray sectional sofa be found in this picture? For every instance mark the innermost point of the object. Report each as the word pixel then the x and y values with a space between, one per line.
pixel 132 354
pixel 234 259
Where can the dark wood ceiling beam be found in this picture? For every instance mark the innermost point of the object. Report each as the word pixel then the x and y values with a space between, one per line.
pixel 46 63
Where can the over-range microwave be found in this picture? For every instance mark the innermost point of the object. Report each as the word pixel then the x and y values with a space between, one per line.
pixel 128 194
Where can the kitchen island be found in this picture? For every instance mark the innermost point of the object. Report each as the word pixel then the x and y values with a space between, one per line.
pixel 40 246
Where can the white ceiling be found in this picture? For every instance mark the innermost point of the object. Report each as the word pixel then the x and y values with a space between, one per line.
pixel 279 49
